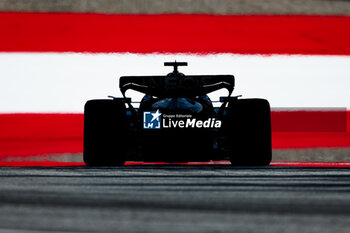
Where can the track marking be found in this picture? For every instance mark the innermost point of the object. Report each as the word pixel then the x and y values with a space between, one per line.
pixel 340 164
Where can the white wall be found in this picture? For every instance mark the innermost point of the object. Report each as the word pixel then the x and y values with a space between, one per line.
pixel 63 82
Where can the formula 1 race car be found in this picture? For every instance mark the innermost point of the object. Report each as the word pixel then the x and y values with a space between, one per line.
pixel 177 122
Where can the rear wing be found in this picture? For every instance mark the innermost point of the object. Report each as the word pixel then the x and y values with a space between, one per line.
pixel 177 86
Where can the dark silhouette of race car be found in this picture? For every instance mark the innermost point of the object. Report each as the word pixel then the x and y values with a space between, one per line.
pixel 177 122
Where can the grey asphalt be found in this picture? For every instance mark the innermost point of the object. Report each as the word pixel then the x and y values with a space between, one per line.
pixel 174 199
pixel 312 7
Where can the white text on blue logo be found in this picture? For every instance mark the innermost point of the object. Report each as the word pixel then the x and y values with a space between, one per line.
pixel 151 120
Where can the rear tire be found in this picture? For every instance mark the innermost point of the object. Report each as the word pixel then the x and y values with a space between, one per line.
pixel 248 132
pixel 105 133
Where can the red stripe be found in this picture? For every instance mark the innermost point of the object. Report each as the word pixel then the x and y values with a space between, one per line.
pixel 218 163
pixel 40 164
pixel 30 134
pixel 61 32
pixel 301 140
pixel 309 121
pixel 310 129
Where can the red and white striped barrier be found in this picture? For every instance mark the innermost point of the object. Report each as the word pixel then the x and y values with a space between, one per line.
pixel 51 63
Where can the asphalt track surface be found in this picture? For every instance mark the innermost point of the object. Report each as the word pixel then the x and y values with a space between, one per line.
pixel 310 7
pixel 175 198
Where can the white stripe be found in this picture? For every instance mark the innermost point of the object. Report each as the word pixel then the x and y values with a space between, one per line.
pixel 63 82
